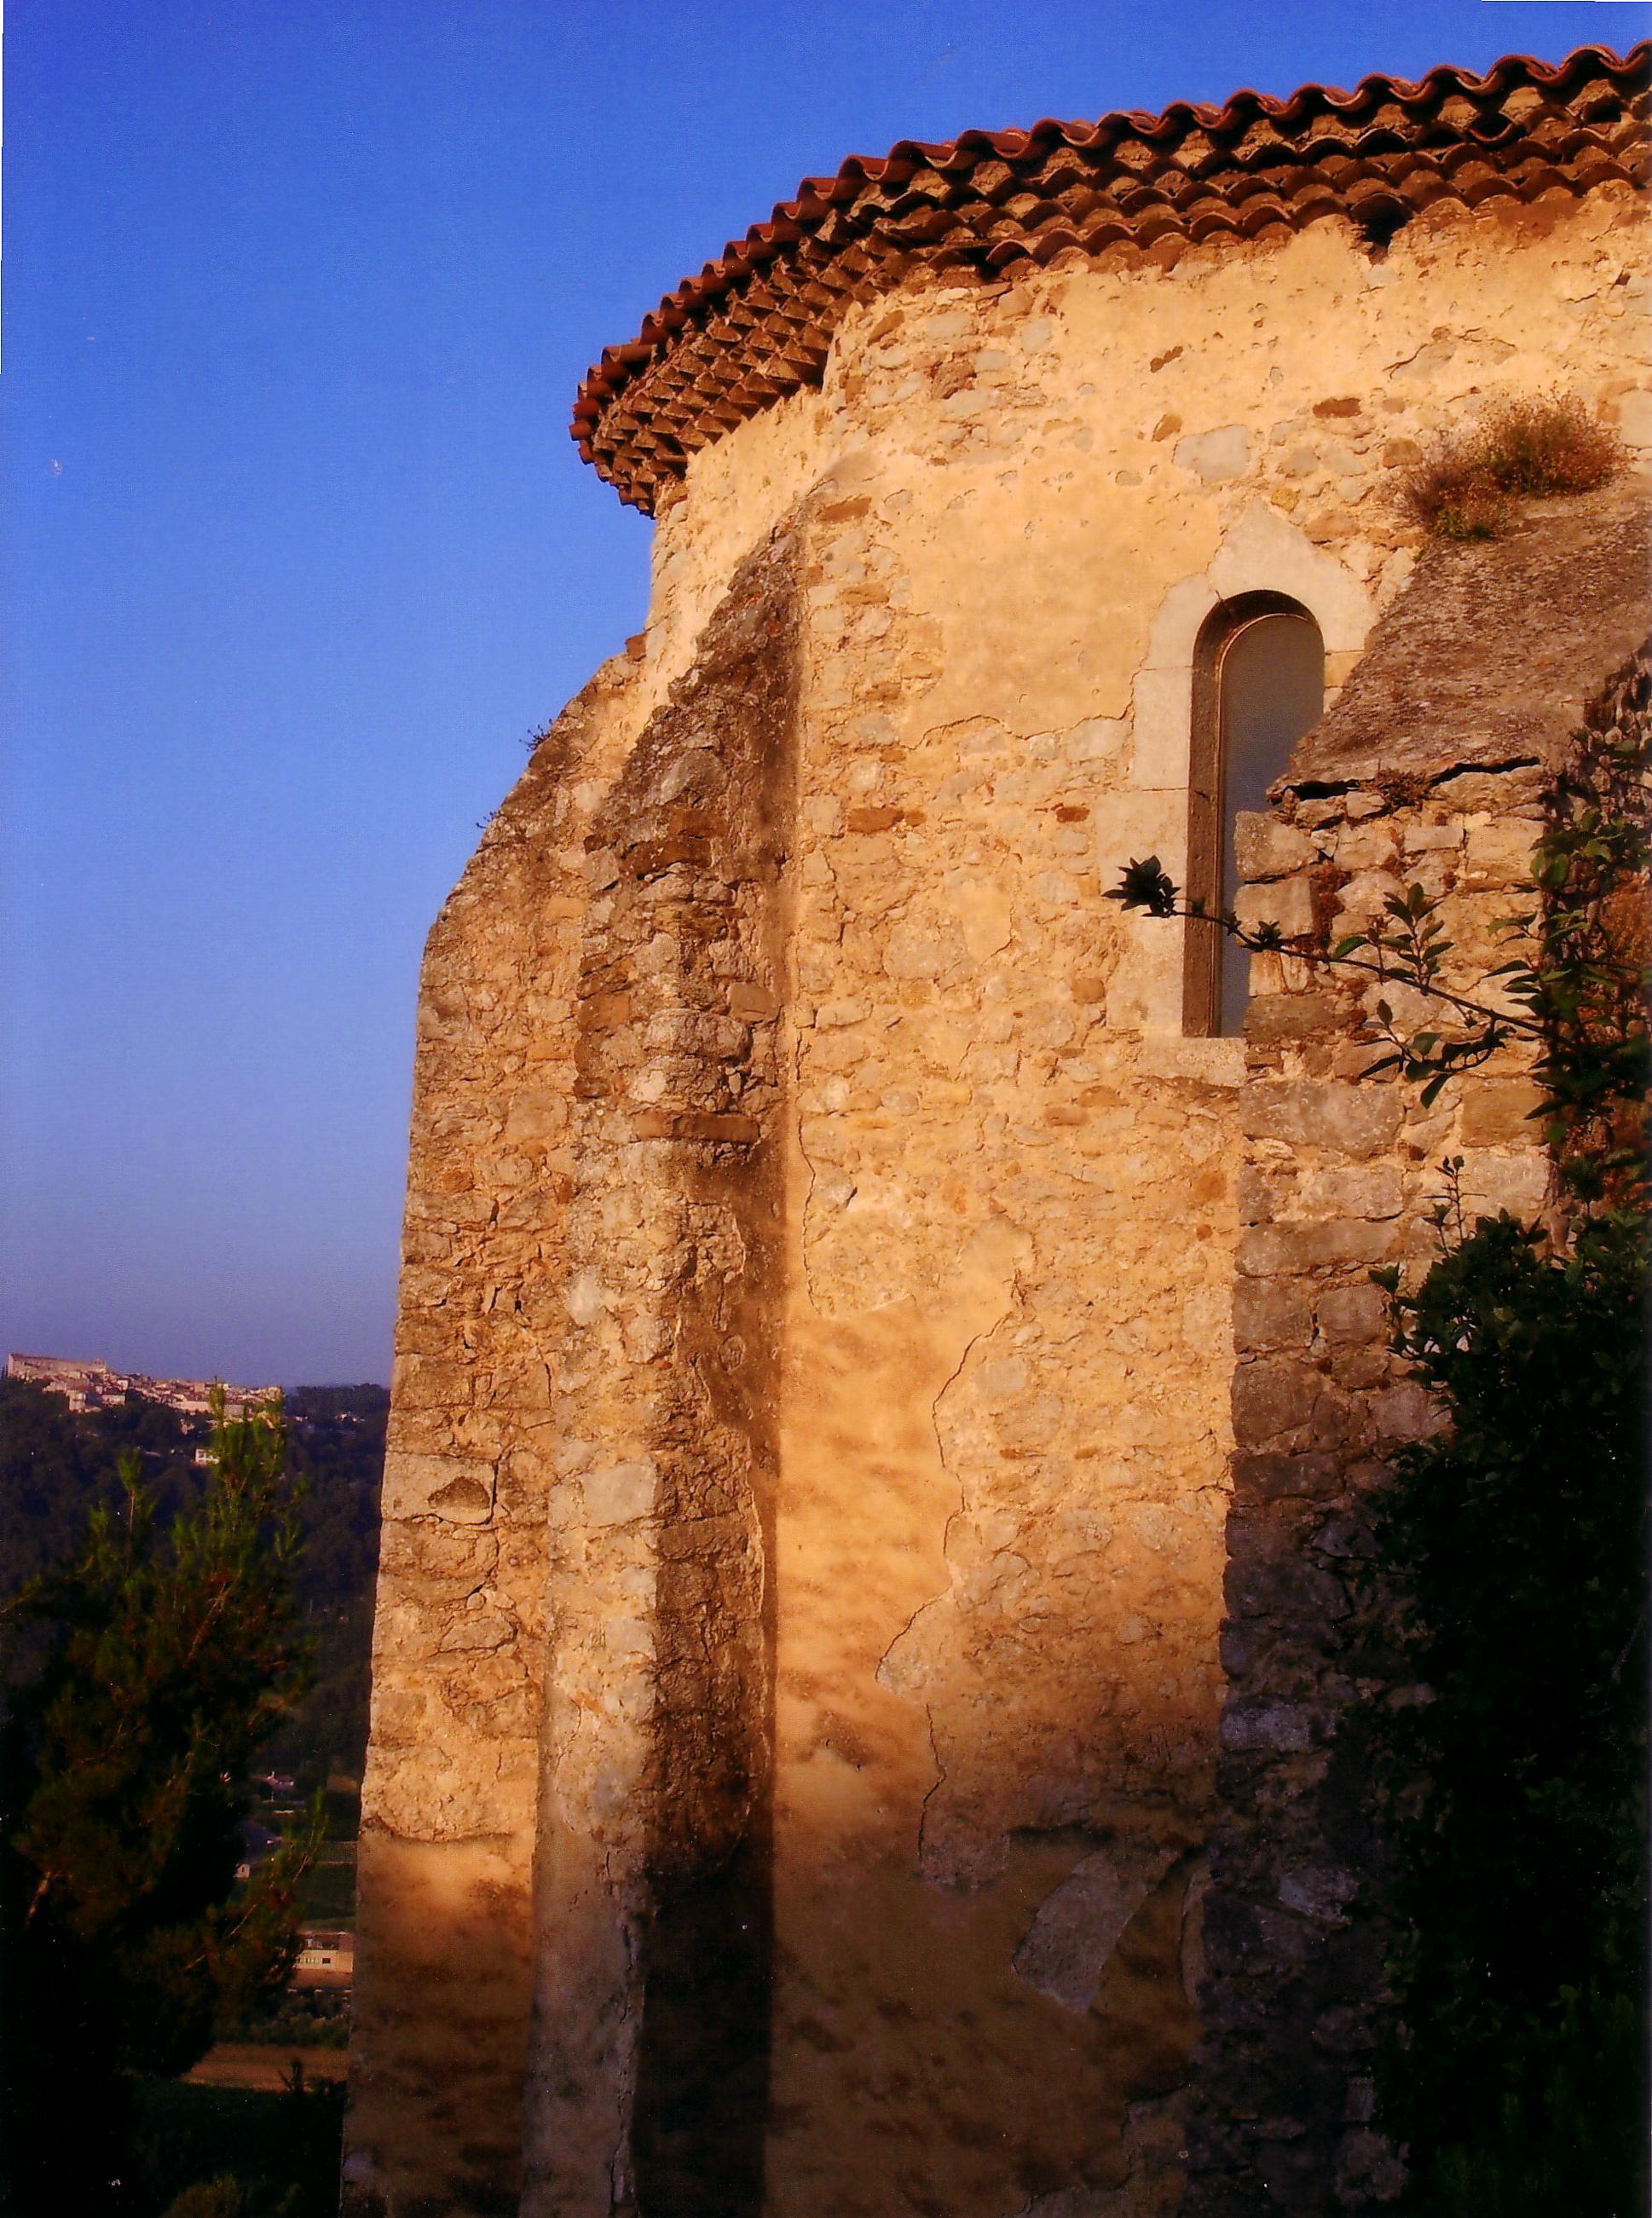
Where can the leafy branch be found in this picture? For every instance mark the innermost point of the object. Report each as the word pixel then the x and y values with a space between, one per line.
pixel 1408 949
pixel 1574 984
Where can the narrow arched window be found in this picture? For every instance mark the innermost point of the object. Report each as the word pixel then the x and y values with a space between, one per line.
pixel 1259 683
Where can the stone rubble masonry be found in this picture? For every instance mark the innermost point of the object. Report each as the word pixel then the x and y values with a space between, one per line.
pixel 1338 1177
pixel 797 1684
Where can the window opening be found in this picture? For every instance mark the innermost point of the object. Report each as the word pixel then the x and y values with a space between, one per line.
pixel 1259 686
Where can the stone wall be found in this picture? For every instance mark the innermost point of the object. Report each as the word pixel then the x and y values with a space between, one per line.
pixel 1434 772
pixel 649 2059
pixel 805 1516
pixel 445 1942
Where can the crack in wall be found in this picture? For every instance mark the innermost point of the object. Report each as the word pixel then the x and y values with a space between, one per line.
pixel 975 1340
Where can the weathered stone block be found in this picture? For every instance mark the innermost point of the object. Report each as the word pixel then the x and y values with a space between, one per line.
pixel 1406 1412
pixel 1272 1019
pixel 1499 853
pixel 1269 1575
pixel 1354 1120
pixel 1289 905
pixel 1500 1111
pixel 1271 1478
pixel 1266 1249
pixel 457 1488
pixel 1272 1397
pixel 1270 1314
pixel 1265 847
pixel 1214 456
pixel 1353 1313
pixel 1371 1191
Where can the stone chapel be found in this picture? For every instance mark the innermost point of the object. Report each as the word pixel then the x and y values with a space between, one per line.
pixel 886 1378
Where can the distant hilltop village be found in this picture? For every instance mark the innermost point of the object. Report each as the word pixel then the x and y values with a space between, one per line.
pixel 95 1386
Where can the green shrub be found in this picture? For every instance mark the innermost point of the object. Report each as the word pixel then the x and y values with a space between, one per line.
pixel 1514 1805
pixel 1512 1777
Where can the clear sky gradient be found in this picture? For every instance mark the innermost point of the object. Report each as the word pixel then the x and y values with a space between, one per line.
pixel 297 293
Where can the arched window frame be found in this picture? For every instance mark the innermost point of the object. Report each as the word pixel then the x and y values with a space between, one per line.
pixel 1261 551
pixel 1207 803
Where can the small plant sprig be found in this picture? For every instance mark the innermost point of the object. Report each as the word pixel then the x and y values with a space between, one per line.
pixel 1574 983
pixel 1407 946
pixel 1466 487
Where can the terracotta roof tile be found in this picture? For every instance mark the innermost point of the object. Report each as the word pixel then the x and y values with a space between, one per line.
pixel 758 323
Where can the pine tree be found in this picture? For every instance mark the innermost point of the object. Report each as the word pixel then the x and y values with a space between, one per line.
pixel 142 1677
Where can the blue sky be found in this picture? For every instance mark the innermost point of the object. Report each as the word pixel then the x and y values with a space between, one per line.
pixel 297 293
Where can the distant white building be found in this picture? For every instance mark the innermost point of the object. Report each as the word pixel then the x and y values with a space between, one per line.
pixel 325 1960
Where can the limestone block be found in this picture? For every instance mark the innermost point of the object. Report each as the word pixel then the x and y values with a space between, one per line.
pixel 1095 739
pixel 1274 1725
pixel 1517 1183
pixel 1634 414
pixel 1163 705
pixel 1274 1018
pixel 457 1488
pixel 1368 1191
pixel 1369 847
pixel 1406 1412
pixel 1354 1120
pixel 1265 1248
pixel 1177 623
pixel 1135 824
pixel 1499 1110
pixel 1270 1398
pixel 1352 1313
pixel 432 1564
pixel 1266 1314
pixel 1319 1890
pixel 1077 1928
pixel 1268 1576
pixel 919 951
pixel 584 1297
pixel 621 1492
pixel 427 1382
pixel 1362 898
pixel 986 920
pixel 1263 847
pixel 1265 551
pixel 1499 853
pixel 536 1119
pixel 1166 1055
pixel 1274 1477
pixel 1289 904
pixel 1214 456
pixel 1148 990
pixel 752 1004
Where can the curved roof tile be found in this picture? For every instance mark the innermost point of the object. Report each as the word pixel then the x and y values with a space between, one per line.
pixel 757 323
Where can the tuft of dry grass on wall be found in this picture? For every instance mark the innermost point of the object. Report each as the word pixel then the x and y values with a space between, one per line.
pixel 1465 487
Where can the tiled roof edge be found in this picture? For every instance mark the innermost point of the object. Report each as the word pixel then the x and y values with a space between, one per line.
pixel 699 364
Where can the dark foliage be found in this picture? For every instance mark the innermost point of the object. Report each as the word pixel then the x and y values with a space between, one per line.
pixel 230 2153
pixel 1513 1787
pixel 1146 884
pixel 1515 1805
pixel 145 1672
pixel 56 1466
pixel 336 1451
pixel 1514 1546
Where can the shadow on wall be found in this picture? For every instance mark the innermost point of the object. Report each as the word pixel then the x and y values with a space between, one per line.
pixel 935 2051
